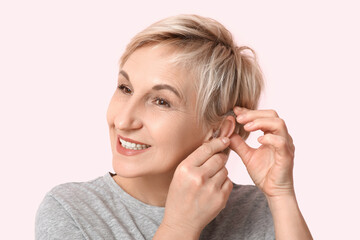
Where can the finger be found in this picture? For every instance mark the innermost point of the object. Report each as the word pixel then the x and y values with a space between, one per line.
pixel 219 178
pixel 247 115
pixel 214 164
pixel 241 148
pixel 280 143
pixel 208 149
pixel 291 141
pixel 268 125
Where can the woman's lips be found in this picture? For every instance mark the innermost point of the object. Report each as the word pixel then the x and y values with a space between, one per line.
pixel 130 140
pixel 128 152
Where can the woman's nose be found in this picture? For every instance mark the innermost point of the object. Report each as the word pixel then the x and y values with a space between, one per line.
pixel 128 118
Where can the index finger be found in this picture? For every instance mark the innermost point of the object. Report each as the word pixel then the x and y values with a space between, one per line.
pixel 208 149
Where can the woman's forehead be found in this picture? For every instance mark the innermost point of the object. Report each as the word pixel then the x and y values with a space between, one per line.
pixel 153 66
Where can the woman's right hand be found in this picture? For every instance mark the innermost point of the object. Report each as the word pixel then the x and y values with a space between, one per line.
pixel 199 190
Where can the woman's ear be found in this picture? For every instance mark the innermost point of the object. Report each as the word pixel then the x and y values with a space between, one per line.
pixel 227 127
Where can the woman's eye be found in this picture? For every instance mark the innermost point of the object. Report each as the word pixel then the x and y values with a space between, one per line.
pixel 162 102
pixel 124 89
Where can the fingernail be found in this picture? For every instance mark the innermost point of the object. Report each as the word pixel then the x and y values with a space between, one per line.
pixel 225 140
pixel 240 117
pixel 237 109
pixel 249 124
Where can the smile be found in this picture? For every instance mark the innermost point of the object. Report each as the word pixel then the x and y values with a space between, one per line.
pixel 133 146
pixel 129 147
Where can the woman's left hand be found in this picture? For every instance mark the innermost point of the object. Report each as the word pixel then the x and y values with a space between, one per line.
pixel 271 165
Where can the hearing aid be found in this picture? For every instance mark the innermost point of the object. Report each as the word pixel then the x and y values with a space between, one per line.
pixel 229 113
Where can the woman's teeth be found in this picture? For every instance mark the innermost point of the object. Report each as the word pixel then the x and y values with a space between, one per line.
pixel 133 146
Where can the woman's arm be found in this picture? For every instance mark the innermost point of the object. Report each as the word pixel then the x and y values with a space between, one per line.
pixel 288 220
pixel 271 168
pixel 166 232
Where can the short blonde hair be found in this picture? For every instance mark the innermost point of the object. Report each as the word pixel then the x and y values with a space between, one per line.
pixel 226 75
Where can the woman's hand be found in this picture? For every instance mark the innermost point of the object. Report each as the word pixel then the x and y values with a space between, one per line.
pixel 271 165
pixel 199 190
pixel 271 168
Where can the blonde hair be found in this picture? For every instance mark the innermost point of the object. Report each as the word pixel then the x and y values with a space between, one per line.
pixel 226 75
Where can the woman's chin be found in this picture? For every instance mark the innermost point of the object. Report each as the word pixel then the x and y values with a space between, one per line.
pixel 130 169
pixel 123 170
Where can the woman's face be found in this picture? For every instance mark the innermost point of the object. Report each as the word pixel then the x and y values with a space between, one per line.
pixel 153 106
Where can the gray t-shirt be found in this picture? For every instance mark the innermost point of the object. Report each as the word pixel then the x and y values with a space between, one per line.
pixel 101 209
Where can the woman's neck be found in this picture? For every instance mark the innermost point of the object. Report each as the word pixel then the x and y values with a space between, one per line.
pixel 151 190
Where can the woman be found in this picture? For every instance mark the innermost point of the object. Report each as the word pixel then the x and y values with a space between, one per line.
pixel 172 124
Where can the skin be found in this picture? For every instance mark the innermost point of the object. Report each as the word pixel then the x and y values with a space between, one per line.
pixel 136 111
pixel 192 162
pixel 271 168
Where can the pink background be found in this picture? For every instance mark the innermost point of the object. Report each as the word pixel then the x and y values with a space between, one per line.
pixel 58 63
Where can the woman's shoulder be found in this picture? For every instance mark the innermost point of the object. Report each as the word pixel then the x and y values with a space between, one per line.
pixel 54 221
pixel 249 202
pixel 78 196
pixel 72 190
pixel 247 199
pixel 64 209
pixel 246 216
pixel 246 194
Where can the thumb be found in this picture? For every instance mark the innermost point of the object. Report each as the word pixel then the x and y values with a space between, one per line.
pixel 241 148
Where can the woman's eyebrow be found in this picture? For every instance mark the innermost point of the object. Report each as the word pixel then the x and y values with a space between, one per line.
pixel 122 72
pixel 156 87
pixel 167 87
